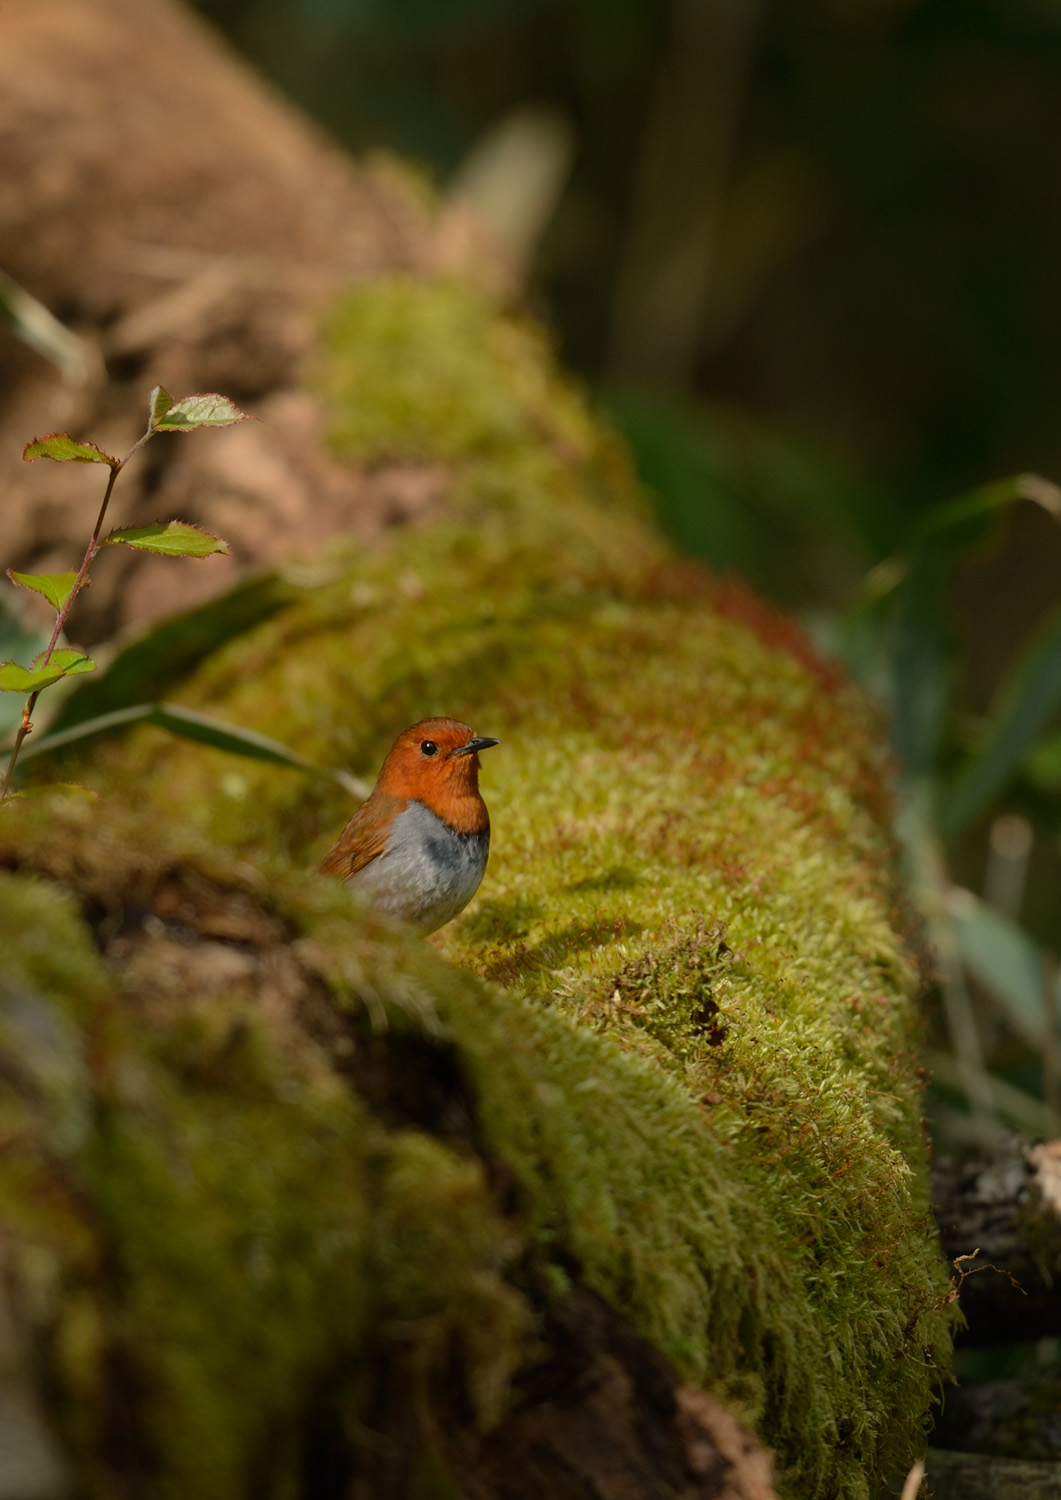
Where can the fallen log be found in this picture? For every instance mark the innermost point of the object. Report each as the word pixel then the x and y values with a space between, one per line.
pixel 294 1202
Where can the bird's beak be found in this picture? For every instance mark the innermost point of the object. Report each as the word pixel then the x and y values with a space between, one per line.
pixel 473 746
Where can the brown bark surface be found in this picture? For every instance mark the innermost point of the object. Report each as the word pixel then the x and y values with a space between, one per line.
pixel 170 208
pixel 606 1419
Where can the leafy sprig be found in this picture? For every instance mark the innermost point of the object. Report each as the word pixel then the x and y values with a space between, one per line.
pixel 169 538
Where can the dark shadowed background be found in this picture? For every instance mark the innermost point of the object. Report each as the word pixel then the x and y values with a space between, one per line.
pixel 817 240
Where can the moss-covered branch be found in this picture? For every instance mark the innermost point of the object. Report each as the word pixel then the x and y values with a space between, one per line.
pixel 688 1082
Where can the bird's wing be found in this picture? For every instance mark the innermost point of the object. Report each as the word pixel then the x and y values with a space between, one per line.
pixel 364 838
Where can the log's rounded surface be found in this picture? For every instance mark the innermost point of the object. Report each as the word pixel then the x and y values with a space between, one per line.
pixel 294 1202
pixel 689 1086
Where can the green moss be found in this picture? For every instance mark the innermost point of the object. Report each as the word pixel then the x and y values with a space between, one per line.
pixel 221 1229
pixel 429 371
pixel 696 1054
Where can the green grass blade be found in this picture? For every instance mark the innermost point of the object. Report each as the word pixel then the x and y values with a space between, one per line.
pixel 189 724
pixel 1027 702
pixel 58 739
pixel 155 661
pixel 971 511
pixel 1004 959
pixel 921 658
pixel 1023 1110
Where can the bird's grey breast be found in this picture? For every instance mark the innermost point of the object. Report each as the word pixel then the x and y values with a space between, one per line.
pixel 429 872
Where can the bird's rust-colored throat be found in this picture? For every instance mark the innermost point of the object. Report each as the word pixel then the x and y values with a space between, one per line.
pixel 436 762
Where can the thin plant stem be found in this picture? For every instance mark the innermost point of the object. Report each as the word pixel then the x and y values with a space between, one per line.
pixel 62 615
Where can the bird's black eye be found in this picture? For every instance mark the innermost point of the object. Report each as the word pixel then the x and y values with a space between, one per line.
pixel 428 747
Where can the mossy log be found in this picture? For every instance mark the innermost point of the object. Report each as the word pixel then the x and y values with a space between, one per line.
pixel 293 1203
pixel 289 1193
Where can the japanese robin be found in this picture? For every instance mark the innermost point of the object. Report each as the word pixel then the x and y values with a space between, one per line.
pixel 418 846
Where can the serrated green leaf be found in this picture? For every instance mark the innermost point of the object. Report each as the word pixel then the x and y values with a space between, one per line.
pixel 55 587
pixel 71 661
pixel 159 403
pixel 63 449
pixel 16 679
pixel 171 538
pixel 208 410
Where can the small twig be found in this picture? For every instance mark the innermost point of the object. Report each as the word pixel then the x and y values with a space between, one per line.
pixel 963 1275
pixel 936 1304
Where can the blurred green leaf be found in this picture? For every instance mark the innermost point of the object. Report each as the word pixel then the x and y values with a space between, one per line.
pixel 966 515
pixel 1004 959
pixel 189 724
pixel 903 617
pixel 921 657
pixel 171 538
pixel 63 449
pixel 55 587
pixel 79 360
pixel 157 659
pixel 190 412
pixel 1022 1110
pixel 1027 701
pixel 1043 765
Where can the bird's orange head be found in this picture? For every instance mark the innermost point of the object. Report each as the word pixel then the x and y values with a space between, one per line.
pixel 436 762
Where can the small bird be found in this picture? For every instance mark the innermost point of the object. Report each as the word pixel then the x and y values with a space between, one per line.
pixel 418 846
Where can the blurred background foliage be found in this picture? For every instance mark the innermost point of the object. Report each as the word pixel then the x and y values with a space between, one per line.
pixel 805 254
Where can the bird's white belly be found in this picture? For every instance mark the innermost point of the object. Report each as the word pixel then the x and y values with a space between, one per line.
pixel 429 873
